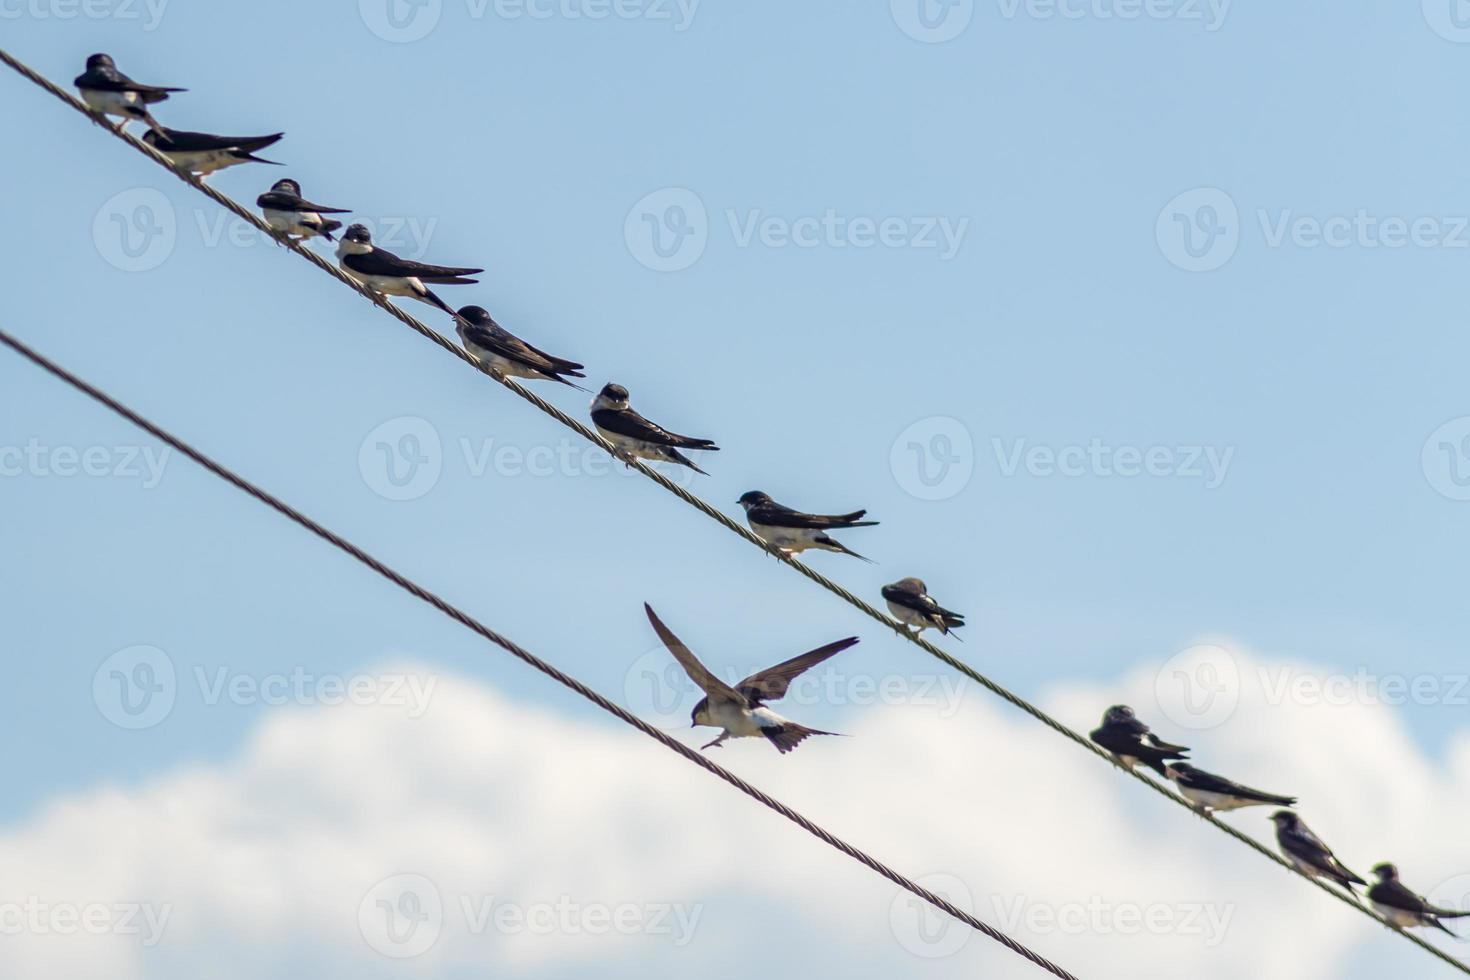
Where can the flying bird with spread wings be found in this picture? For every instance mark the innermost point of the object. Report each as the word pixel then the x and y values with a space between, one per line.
pixel 741 710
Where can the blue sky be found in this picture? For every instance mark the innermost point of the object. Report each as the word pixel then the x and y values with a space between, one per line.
pixel 1049 283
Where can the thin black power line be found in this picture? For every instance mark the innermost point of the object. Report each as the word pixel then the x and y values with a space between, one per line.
pixel 702 506
pixel 470 623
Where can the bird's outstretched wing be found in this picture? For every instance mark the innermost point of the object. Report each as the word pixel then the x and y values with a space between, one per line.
pixel 772 683
pixel 698 673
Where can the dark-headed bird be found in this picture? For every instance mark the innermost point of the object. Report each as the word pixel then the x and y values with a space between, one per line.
pixel 1131 742
pixel 288 212
pixel 383 272
pixel 910 603
pixel 794 531
pixel 632 435
pixel 507 355
pixel 1403 908
pixel 1210 792
pixel 1308 854
pixel 205 153
pixel 108 91
pixel 740 710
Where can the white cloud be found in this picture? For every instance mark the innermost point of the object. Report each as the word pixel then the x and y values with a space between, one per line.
pixel 590 830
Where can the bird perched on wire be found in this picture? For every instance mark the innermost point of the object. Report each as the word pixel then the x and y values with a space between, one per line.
pixel 794 531
pixel 740 710
pixel 1209 792
pixel 288 212
pixel 383 272
pixel 1308 854
pixel 1131 742
pixel 108 91
pixel 1403 908
pixel 205 153
pixel 910 603
pixel 632 435
pixel 507 355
